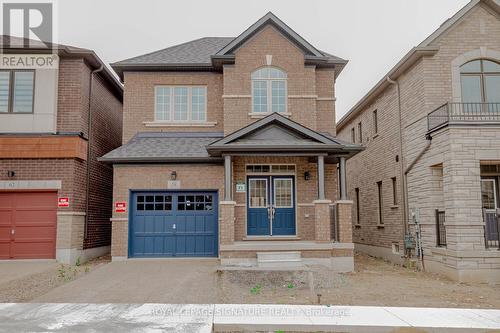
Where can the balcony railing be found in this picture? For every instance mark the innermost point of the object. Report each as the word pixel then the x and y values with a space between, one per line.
pixel 440 228
pixel 492 228
pixel 455 113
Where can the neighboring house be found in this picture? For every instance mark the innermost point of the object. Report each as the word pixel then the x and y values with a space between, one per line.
pixel 55 197
pixel 431 129
pixel 229 151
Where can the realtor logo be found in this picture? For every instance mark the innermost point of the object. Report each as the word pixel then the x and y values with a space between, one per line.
pixel 32 21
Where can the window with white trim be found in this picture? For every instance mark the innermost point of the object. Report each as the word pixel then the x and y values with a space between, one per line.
pixel 181 103
pixel 269 90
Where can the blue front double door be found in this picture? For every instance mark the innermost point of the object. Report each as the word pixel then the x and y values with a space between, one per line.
pixel 271 205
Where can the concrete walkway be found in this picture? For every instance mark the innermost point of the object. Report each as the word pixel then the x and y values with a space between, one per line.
pixel 241 317
pixel 142 281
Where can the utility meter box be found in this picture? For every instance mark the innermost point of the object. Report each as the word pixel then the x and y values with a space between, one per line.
pixel 409 242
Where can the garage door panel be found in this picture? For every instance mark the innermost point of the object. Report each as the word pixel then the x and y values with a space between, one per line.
pixel 32 217
pixel 4 249
pixel 5 233
pixel 5 217
pixel 152 231
pixel 169 245
pixel 35 200
pixel 35 217
pixel 40 250
pixel 6 200
pixel 35 232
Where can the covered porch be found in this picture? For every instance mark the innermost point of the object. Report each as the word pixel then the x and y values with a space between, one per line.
pixel 285 197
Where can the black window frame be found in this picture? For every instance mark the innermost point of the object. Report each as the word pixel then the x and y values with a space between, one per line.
pixel 358 219
pixel 360 130
pixel 375 122
pixel 10 106
pixel 380 204
pixel 353 135
pixel 394 191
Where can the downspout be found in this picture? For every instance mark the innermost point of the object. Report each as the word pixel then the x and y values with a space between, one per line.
pixel 403 187
pixel 89 150
pixel 408 169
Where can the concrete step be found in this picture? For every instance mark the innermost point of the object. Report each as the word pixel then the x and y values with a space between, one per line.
pixel 279 259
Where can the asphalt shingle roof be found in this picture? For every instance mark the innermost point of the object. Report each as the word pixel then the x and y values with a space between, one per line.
pixel 164 146
pixel 197 51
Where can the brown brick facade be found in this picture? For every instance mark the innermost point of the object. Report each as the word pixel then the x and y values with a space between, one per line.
pixel 310 102
pixel 72 118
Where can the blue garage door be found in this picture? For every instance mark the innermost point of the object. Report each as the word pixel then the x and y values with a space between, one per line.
pixel 173 224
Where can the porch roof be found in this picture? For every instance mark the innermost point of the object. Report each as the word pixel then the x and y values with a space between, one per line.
pixel 165 147
pixel 278 135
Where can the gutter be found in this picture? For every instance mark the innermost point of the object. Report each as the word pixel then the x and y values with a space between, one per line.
pixel 89 151
pixel 402 175
pixel 408 169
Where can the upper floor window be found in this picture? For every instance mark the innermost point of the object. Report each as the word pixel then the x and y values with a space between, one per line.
pixel 180 103
pixel 375 122
pixel 480 81
pixel 353 135
pixel 269 91
pixel 360 132
pixel 16 91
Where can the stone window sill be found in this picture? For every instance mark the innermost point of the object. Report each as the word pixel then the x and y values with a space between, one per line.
pixel 179 124
pixel 380 226
pixel 263 115
pixel 357 226
pixel 394 206
pixel 375 136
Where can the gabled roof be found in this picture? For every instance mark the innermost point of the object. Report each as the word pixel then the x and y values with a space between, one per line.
pixel 15 45
pixel 209 53
pixel 272 19
pixel 426 47
pixel 276 133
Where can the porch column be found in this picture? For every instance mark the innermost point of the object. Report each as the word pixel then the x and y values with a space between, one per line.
pixel 321 178
pixel 322 207
pixel 227 178
pixel 343 191
pixel 227 217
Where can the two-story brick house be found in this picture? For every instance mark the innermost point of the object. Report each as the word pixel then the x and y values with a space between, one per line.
pixel 431 164
pixel 55 197
pixel 229 151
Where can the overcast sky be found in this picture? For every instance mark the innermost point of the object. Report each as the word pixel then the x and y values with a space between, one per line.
pixel 372 34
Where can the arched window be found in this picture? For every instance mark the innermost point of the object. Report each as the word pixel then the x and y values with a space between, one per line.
pixel 269 93
pixel 480 81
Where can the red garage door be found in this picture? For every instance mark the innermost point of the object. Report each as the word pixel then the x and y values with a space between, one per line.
pixel 28 225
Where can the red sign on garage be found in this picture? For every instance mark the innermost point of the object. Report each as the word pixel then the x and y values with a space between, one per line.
pixel 120 207
pixel 63 202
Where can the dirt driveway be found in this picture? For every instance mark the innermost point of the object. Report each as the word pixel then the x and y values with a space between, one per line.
pixel 374 282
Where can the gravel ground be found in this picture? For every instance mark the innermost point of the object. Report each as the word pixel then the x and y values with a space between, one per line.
pixel 34 285
pixel 374 282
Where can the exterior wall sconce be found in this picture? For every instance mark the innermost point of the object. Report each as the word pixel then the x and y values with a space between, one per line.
pixel 307 175
pixel 11 174
pixel 173 175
